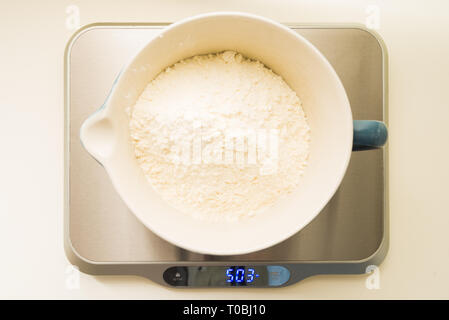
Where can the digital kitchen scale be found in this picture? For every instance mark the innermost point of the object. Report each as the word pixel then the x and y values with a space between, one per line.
pixel 102 237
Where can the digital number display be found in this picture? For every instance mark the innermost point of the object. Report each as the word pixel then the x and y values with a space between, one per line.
pixel 242 275
pixel 227 276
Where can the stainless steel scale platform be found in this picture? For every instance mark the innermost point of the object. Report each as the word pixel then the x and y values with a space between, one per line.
pixel 102 237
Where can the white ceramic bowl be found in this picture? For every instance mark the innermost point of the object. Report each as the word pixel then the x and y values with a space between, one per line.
pixel 105 134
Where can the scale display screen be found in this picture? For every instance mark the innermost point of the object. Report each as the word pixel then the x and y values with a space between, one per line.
pixel 227 276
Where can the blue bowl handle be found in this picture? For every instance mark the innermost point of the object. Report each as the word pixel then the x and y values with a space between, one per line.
pixel 369 134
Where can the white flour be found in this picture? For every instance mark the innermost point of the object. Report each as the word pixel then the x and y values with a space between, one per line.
pixel 220 136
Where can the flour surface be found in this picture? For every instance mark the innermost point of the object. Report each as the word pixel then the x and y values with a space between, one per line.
pixel 220 136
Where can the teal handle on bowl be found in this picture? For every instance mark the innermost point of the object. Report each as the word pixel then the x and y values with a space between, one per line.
pixel 369 134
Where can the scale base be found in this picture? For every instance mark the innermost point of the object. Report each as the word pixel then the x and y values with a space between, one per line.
pixel 103 238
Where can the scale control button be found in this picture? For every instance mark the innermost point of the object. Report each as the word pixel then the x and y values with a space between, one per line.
pixel 277 275
pixel 176 276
